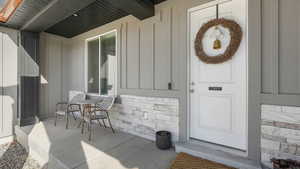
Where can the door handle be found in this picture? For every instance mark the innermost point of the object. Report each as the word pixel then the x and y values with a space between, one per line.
pixel 192 90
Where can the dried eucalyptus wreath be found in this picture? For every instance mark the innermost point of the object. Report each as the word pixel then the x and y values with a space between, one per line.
pixel 235 40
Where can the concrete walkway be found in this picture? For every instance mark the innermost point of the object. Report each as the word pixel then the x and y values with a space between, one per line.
pixel 58 148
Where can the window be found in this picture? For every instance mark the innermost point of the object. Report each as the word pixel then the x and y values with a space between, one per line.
pixel 102 64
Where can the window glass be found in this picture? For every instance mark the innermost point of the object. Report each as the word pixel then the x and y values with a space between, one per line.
pixel 93 66
pixel 102 65
pixel 108 64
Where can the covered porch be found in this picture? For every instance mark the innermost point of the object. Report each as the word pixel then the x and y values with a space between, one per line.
pixel 58 148
pixel 222 76
pixel 149 67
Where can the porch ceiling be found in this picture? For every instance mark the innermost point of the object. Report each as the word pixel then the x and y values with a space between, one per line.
pixel 38 15
pixel 102 12
pixel 56 16
pixel 28 9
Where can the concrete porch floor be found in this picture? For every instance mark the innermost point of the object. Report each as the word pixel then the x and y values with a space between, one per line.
pixel 58 148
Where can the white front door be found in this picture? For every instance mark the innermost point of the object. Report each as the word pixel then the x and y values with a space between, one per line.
pixel 218 92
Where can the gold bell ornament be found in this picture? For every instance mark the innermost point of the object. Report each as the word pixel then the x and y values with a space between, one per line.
pixel 217 35
pixel 217 44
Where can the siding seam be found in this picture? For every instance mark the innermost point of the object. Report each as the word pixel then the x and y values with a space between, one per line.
pixel 171 49
pixel 153 56
pixel 276 47
pixel 2 88
pixel 126 60
pixel 120 56
pixel 61 68
pixel 139 57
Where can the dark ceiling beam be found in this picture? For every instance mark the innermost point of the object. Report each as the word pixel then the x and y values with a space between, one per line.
pixel 53 13
pixel 141 9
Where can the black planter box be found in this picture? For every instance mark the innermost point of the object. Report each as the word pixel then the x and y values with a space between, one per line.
pixel 163 140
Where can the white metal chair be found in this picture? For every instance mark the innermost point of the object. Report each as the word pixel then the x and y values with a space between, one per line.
pixel 70 107
pixel 98 112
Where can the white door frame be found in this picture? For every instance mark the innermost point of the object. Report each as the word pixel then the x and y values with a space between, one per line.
pixel 189 11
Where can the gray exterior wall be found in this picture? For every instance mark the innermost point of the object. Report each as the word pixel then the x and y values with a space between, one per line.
pixel 153 53
pixel 275 47
pixel 8 81
pixel 273 60
pixel 280 53
pixel 52 50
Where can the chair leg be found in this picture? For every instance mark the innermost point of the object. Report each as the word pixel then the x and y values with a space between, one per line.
pixel 104 123
pixel 67 123
pixel 99 123
pixel 90 134
pixel 55 119
pixel 79 124
pixel 88 126
pixel 74 116
pixel 82 127
pixel 110 122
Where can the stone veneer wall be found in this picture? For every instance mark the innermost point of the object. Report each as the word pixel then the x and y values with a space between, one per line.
pixel 143 116
pixel 280 133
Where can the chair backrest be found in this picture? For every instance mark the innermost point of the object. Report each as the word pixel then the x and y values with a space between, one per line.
pixel 75 96
pixel 105 102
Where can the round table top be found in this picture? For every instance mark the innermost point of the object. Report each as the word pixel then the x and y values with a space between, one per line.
pixel 90 101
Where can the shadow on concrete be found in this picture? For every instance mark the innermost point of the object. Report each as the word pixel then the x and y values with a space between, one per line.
pixel 69 149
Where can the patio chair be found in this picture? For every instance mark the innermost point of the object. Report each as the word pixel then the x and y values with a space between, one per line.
pixel 70 107
pixel 99 112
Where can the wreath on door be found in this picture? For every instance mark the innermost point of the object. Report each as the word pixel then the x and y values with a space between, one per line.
pixel 235 33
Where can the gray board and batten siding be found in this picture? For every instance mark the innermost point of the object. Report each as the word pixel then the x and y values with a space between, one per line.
pixel 274 57
pixel 280 55
pixel 53 72
pixel 29 83
pixel 152 57
pixel 152 54
pixel 8 81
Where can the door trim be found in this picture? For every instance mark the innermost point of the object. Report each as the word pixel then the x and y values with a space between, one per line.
pixel 188 100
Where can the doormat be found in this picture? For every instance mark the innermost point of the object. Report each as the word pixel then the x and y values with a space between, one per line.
pixel 185 161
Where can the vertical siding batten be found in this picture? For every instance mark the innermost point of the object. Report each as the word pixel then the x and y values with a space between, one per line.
pixel 139 56
pixel 153 56
pixel 276 49
pixel 120 60
pixel 171 49
pixel 126 63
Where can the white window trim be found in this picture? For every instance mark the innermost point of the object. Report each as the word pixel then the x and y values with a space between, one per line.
pixel 86 63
